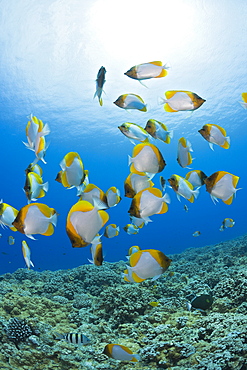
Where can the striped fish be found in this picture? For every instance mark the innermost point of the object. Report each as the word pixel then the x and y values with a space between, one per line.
pixel 75 338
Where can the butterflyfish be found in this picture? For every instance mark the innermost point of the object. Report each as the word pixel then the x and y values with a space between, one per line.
pixel 92 192
pixel 183 188
pixel 100 80
pixel 36 218
pixel 75 338
pixel 111 231
pixel 222 185
pixel 11 240
pixel 119 352
pixel 35 129
pixel 181 100
pixel 134 249
pixel 147 158
pixel 134 132
pixel 131 229
pixel 73 173
pixel 131 101
pixel 184 157
pixel 135 183
pixel 186 208
pixel 26 251
pixel 7 215
pixel 84 221
pixel 148 202
pixel 96 251
pixel 34 168
pixel 34 187
pixel 112 196
pixel 244 98
pixel 146 71
pixel 149 263
pixel 196 233
pixel 196 177
pixel 159 131
pixel 162 183
pixel 227 222
pixel 215 134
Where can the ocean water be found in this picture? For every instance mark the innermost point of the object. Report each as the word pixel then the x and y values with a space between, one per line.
pixel 51 52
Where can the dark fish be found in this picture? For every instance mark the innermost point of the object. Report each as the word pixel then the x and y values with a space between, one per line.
pixel 100 80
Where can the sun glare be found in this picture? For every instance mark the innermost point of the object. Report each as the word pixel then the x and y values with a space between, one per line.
pixel 139 29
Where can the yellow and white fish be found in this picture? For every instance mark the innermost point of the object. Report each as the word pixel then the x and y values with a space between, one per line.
pixel 144 264
pixel 84 221
pixel 146 71
pixel 159 131
pixel 196 177
pixel 26 251
pixel 7 215
pixel 131 101
pixel 112 196
pixel 222 185
pixel 92 192
pixel 215 134
pixel 148 202
pixel 181 100
pixel 34 129
pixel 134 131
pixel 111 231
pixel 11 240
pixel 96 251
pixel 244 98
pixel 227 222
pixel 34 168
pixel 119 352
pixel 183 188
pixel 196 233
pixel 147 158
pixel 36 218
pixel 73 173
pixel 99 84
pixel 134 249
pixel 135 183
pixel 131 229
pixel 34 187
pixel 184 157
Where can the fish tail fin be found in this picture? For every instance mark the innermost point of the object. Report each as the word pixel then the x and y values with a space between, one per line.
pixel 53 219
pixel 28 146
pixel 45 131
pixel 101 102
pixel 161 100
pixel 166 198
pixel 136 358
pixel 45 186
pixel 130 160
pixel 196 192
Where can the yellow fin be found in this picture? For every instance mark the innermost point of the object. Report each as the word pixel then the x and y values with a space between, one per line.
pixel 49 231
pixel 164 209
pixel 235 180
pixel 104 217
pixel 136 278
pixel 155 191
pixel 222 130
pixel 69 158
pixel 168 108
pixel 163 73
pixel 226 145
pixel 229 200
pixel 156 63
pixel 170 94
pixel 134 258
pixel 244 96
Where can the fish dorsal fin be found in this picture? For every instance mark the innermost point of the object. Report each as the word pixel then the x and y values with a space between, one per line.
pixel 69 158
pixel 182 141
pixel 82 206
pixel 169 94
pixel 134 258
pixel 168 108
pixel 155 191
pixel 235 181
pixel 156 63
pixel 104 217
pixel 221 129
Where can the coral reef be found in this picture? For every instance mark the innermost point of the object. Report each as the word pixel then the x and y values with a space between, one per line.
pixel 97 302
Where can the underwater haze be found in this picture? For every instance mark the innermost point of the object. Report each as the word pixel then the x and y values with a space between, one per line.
pixel 51 52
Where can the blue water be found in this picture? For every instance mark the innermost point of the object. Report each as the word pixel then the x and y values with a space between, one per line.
pixel 50 55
